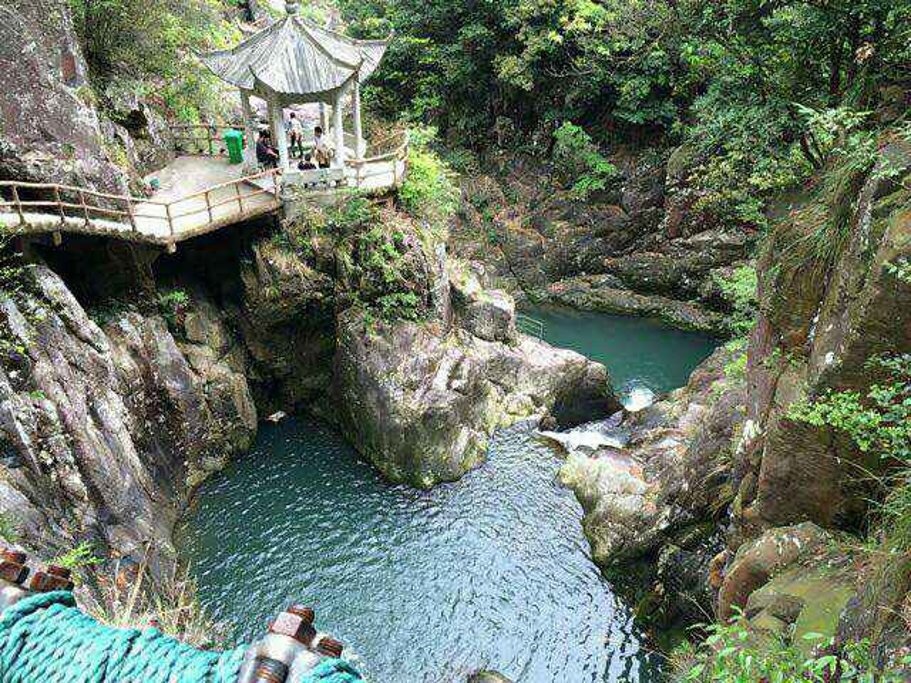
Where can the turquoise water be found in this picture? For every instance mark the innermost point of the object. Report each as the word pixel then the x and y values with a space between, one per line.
pixel 424 586
pixel 644 356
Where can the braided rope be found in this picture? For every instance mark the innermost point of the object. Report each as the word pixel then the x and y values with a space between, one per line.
pixel 44 638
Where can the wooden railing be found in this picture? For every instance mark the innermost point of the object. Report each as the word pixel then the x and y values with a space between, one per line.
pixel 48 207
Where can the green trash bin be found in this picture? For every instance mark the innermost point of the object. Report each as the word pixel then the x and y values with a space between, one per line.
pixel 234 141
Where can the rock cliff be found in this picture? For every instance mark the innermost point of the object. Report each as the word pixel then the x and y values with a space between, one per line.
pixel 420 400
pixel 639 249
pixel 52 129
pixel 732 465
pixel 105 428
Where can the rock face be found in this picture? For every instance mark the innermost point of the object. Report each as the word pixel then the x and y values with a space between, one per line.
pixel 640 250
pixel 51 130
pixel 673 471
pixel 287 322
pixel 488 314
pixel 655 504
pixel 106 429
pixel 419 400
pixel 607 294
pixel 821 321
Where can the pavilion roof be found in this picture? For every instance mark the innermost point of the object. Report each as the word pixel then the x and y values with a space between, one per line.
pixel 295 57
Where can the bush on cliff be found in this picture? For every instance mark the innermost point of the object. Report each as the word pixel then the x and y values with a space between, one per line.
pixel 878 421
pixel 428 192
pixel 148 46
pixel 579 163
pixel 732 654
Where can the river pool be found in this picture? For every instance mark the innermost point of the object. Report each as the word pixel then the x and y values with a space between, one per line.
pixel 428 586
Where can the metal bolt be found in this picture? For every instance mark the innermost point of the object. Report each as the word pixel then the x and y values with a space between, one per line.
pixel 330 647
pixel 57 570
pixel 304 612
pixel 47 581
pixel 270 671
pixel 16 556
pixel 294 626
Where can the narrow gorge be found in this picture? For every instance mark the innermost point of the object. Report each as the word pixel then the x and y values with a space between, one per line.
pixel 536 342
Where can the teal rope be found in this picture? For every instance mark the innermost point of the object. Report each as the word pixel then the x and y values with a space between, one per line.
pixel 44 638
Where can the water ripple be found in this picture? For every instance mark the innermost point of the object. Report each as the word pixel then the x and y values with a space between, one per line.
pixel 492 571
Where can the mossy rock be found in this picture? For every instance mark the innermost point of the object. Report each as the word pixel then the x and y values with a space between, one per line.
pixel 812 598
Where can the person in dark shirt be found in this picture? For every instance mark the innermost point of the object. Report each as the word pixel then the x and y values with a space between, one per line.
pixel 307 164
pixel 265 152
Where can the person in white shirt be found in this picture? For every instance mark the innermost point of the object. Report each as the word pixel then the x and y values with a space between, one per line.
pixel 320 148
pixel 296 135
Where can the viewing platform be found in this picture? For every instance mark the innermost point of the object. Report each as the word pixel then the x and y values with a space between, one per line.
pixel 290 63
pixel 198 192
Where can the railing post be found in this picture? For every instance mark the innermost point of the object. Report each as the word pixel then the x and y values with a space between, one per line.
pixel 240 200
pixel 59 204
pixel 167 211
pixel 85 208
pixel 132 218
pixel 209 206
pixel 18 204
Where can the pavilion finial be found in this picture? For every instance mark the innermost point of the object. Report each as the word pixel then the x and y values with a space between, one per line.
pixel 292 6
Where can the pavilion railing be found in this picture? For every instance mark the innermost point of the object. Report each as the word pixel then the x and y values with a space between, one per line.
pixel 396 156
pixel 50 207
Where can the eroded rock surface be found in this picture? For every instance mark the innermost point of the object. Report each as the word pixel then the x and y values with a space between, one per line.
pixel 420 400
pixel 111 426
pixel 51 130
pixel 820 324
pixel 673 471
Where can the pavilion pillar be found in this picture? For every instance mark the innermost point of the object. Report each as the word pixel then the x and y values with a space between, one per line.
pixel 360 146
pixel 250 127
pixel 339 160
pixel 324 117
pixel 279 134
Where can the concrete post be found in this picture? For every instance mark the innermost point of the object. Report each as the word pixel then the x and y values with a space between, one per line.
pixel 250 127
pixel 324 117
pixel 359 143
pixel 279 134
pixel 338 161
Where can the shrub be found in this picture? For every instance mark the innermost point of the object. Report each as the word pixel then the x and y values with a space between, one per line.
pixel 732 654
pixel 580 165
pixel 428 192
pixel 879 421
pixel 148 46
pixel 8 530
pixel 173 306
pixel 399 306
pixel 81 556
pixel 739 290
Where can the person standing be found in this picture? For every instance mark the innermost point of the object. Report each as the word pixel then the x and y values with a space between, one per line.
pixel 296 135
pixel 320 148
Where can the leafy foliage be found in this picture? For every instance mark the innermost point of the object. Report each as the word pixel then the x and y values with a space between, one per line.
pixel 878 422
pixel 8 532
pixel 428 192
pixel 145 46
pixel 82 555
pixel 739 290
pixel 173 306
pixel 579 162
pixel 732 654
pixel 760 92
